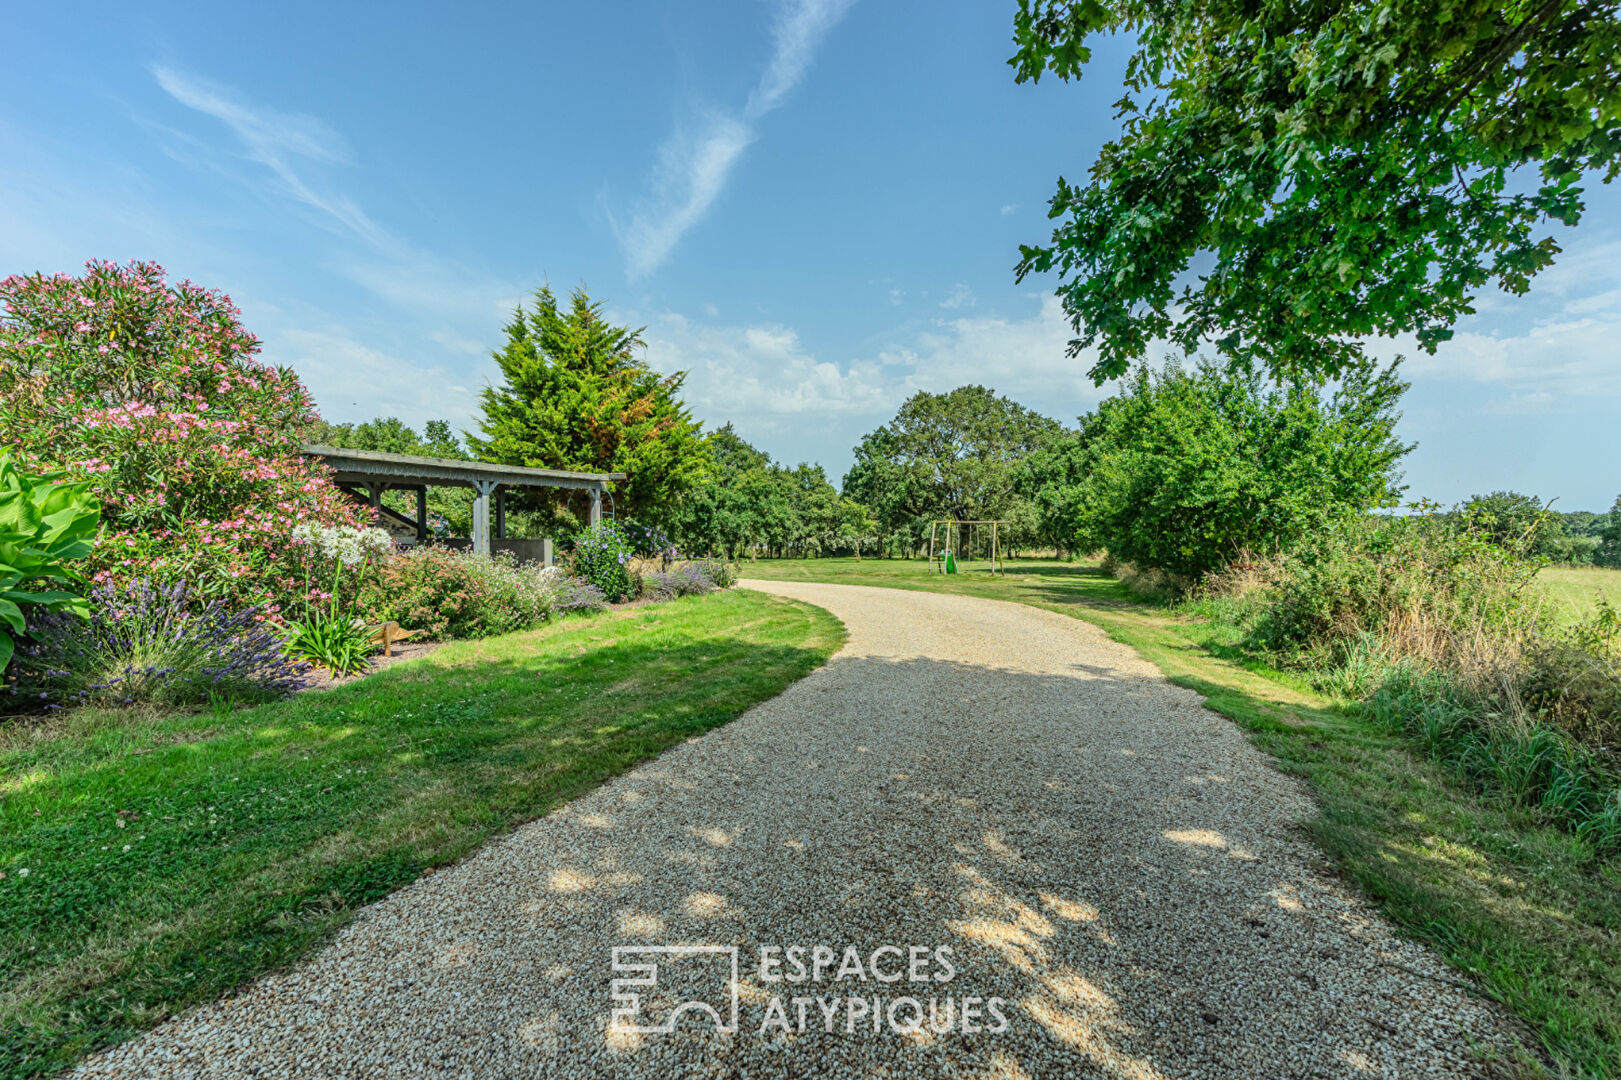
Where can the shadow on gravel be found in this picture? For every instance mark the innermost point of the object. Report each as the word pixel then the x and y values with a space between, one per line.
pixel 1117 866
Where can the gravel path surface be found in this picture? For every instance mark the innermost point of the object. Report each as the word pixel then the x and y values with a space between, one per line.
pixel 1117 865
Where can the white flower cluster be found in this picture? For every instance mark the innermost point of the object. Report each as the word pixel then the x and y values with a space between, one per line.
pixel 348 545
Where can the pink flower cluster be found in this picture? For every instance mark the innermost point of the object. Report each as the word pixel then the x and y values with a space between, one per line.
pixel 151 391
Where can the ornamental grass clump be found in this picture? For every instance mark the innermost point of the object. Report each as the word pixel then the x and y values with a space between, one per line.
pixel 150 644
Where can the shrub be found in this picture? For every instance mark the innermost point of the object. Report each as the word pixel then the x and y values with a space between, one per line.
pixel 601 555
pixel 45 524
pixel 443 593
pixel 1439 630
pixel 719 571
pixel 648 541
pixel 1430 587
pixel 1182 470
pixel 149 392
pixel 152 644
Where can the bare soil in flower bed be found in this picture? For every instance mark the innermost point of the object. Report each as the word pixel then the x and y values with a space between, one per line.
pixel 323 679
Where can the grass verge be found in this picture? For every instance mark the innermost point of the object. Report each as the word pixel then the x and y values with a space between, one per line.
pixel 1515 905
pixel 171 858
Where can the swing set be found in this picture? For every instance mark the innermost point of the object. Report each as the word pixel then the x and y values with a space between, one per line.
pixel 944 553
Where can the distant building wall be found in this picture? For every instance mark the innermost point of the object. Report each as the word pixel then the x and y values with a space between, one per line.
pixel 525 550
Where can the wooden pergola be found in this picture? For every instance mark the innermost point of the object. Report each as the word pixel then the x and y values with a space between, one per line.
pixel 372 472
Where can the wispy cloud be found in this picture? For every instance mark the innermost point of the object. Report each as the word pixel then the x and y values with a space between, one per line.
pixel 1564 354
pixel 695 162
pixel 277 141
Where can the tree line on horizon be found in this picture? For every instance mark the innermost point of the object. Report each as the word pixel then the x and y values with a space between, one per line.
pixel 1180 471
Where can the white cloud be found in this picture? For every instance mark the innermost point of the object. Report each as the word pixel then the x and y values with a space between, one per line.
pixel 694 164
pixel 1022 358
pixel 432 288
pixel 354 381
pixel 1565 350
pixel 1008 208
pixel 760 371
pixel 277 141
pixel 959 296
pixel 799 405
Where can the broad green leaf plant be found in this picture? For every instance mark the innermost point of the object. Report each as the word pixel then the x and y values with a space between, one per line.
pixel 46 522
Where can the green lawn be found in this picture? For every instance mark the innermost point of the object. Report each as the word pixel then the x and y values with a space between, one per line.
pixel 1514 904
pixel 170 858
pixel 1576 589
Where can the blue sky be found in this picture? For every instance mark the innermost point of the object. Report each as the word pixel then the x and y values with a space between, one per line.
pixel 812 205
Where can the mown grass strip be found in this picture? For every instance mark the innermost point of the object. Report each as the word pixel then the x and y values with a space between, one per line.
pixel 1515 905
pixel 172 858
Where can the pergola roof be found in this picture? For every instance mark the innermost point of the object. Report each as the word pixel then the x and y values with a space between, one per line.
pixel 408 470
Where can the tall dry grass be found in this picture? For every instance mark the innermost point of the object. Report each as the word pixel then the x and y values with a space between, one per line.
pixel 1445 635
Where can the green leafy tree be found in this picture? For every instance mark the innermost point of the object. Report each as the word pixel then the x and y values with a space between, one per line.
pixel 952 455
pixel 1184 470
pixel 391 435
pixel 1347 167
pixel 1517 522
pixel 575 395
pixel 1609 547
pixel 746 503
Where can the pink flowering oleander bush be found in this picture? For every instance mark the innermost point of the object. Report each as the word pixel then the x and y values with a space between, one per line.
pixel 150 391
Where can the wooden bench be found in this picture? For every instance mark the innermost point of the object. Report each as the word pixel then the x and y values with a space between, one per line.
pixel 388 633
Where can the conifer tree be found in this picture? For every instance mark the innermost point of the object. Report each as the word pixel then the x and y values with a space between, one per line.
pixel 576 395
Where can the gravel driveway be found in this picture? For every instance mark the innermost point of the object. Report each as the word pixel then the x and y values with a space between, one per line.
pixel 995 799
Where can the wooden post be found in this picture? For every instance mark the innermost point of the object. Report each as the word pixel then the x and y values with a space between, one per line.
pixel 422 514
pixel 481 515
pixel 500 513
pixel 595 517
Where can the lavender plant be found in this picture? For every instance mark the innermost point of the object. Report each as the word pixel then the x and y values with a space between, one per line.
pixel 573 595
pixel 685 579
pixel 144 643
